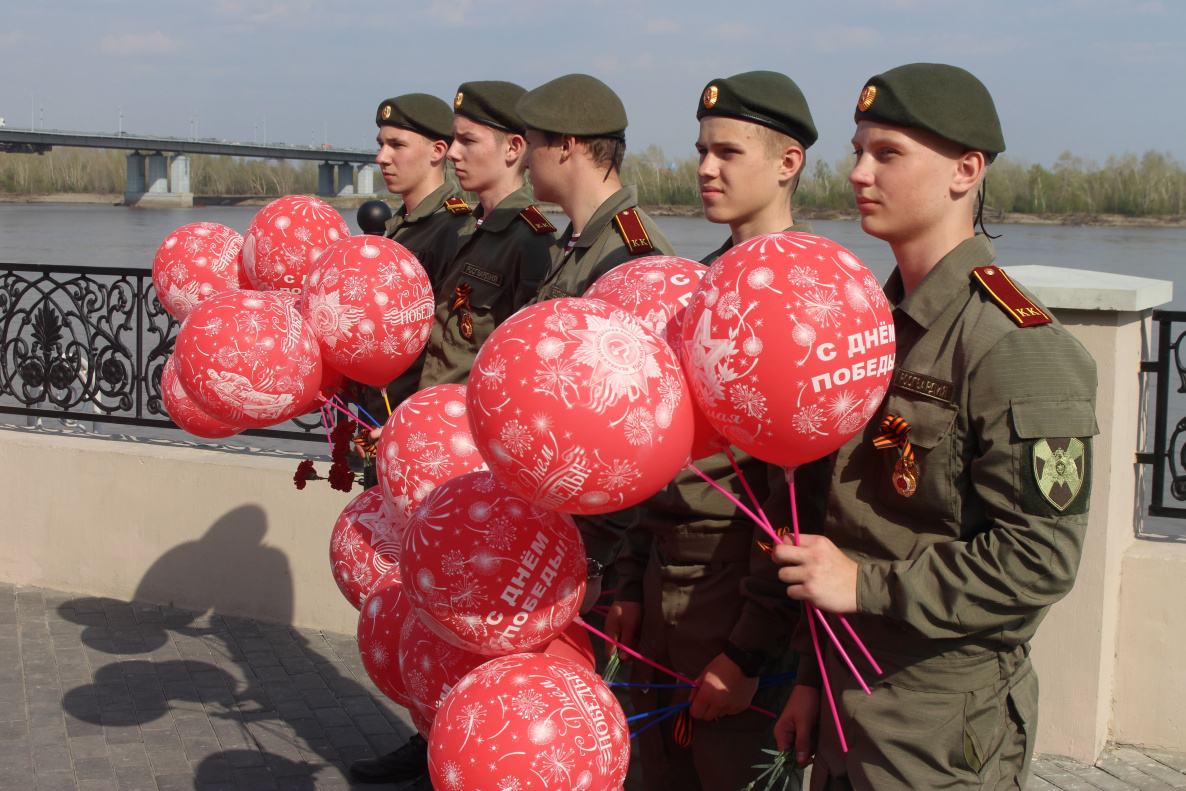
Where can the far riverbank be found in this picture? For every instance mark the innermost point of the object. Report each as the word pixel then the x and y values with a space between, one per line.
pixel 347 203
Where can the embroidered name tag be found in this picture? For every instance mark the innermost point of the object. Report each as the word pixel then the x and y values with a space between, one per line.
pixel 925 386
pixel 555 292
pixel 493 278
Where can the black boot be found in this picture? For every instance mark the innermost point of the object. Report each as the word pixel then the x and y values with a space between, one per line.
pixel 423 784
pixel 407 763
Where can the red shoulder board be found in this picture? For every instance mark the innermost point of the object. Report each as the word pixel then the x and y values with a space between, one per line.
pixel 457 206
pixel 536 219
pixel 1017 305
pixel 633 232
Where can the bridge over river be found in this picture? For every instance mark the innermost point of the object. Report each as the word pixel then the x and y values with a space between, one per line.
pixel 159 167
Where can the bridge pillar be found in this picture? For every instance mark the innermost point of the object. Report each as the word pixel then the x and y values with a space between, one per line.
pixel 158 173
pixel 325 180
pixel 135 186
pixel 366 179
pixel 345 179
pixel 179 174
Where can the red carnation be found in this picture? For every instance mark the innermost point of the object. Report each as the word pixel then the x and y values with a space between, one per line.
pixel 305 472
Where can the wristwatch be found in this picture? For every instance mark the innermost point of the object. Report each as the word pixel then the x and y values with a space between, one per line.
pixel 594 567
pixel 750 662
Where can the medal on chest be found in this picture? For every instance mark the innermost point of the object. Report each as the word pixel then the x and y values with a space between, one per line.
pixel 461 303
pixel 895 433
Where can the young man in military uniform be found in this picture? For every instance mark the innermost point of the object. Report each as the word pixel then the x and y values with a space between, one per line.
pixel 692 575
pixel 415 131
pixel 505 249
pixel 957 517
pixel 576 127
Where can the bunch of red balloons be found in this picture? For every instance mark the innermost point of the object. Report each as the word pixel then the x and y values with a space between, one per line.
pixel 272 322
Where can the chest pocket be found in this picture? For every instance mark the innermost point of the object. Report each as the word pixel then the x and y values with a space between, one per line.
pixel 932 435
pixel 489 304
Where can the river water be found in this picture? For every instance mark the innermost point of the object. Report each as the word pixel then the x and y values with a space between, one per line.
pixel 96 235
pixel 118 236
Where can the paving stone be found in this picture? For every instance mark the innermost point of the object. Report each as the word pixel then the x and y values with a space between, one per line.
pixel 56 781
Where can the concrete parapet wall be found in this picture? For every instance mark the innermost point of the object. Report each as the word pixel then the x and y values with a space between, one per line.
pixel 189 527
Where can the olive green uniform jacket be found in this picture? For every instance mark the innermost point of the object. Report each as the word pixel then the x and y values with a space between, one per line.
pixel 431 233
pixel 599 249
pixel 954 580
pixel 502 262
pixel 693 560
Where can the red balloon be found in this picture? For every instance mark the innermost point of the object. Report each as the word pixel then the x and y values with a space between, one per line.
pixel 423 724
pixel 430 665
pixel 364 545
pixel 490 572
pixel 788 346
pixel 194 263
pixel 184 412
pixel 247 359
pixel 574 643
pixel 380 622
pixel 656 290
pixel 529 721
pixel 580 408
pixel 285 238
pixel 425 442
pixel 370 304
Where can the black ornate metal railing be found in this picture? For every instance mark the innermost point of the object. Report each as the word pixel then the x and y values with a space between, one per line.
pixel 1169 446
pixel 88 344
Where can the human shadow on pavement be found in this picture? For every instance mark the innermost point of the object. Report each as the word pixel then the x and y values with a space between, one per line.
pixel 227 700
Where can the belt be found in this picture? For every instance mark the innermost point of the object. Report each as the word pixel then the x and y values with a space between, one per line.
pixel 951 673
pixel 688 549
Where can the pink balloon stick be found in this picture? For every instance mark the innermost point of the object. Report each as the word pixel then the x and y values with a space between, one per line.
pixel 840 648
pixel 325 423
pixel 347 414
pixel 762 522
pixel 655 665
pixel 819 657
pixel 852 632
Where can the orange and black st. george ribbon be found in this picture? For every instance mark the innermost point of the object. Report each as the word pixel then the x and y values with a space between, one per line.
pixel 461 303
pixel 681 728
pixel 895 433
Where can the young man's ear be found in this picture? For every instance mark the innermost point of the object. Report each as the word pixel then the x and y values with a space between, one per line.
pixel 792 162
pixel 516 148
pixel 439 149
pixel 969 170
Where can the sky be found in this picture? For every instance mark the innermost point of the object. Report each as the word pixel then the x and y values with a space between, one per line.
pixel 1093 77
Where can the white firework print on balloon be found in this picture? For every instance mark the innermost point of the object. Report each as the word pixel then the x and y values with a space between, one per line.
pixel 364 545
pixel 785 287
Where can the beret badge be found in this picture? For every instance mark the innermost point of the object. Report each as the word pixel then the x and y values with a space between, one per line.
pixel 710 96
pixel 386 112
pixel 867 97
pixel 457 99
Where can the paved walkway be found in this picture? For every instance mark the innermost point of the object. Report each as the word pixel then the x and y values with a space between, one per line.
pixel 103 695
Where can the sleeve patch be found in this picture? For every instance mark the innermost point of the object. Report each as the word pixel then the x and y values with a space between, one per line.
pixel 536 219
pixel 1056 476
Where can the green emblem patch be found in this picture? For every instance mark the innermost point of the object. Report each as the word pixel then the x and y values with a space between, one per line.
pixel 1058 478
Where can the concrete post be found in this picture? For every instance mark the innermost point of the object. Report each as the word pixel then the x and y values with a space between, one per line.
pixel 325 180
pixel 345 179
pixel 1075 648
pixel 158 173
pixel 179 174
pixel 366 179
pixel 135 184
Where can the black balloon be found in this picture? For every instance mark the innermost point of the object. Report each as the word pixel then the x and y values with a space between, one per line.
pixel 373 216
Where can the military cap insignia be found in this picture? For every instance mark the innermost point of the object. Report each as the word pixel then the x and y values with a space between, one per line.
pixel 386 113
pixel 1008 296
pixel 1060 467
pixel 867 97
pixel 457 99
pixel 457 206
pixel 710 96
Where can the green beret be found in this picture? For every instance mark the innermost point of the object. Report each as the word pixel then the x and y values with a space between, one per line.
pixel 575 104
pixel 492 103
pixel 419 112
pixel 944 100
pixel 761 97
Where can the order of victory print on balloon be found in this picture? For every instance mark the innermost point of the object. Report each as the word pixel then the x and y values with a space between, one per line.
pixel 579 407
pixel 771 352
